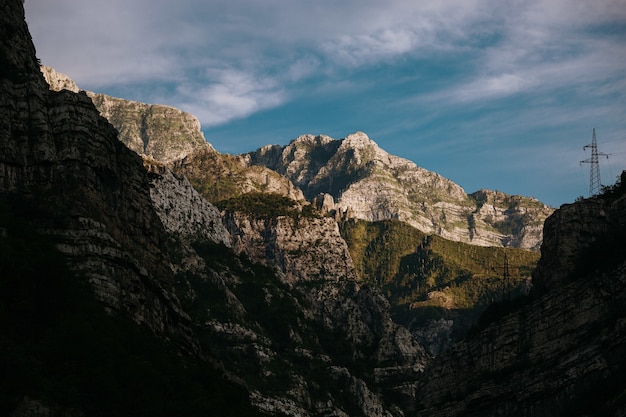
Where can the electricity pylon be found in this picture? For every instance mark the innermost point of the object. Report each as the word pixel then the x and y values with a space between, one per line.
pixel 594 174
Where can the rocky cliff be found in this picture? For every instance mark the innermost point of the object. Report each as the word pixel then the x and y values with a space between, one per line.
pixel 353 175
pixel 162 133
pixel 62 163
pixel 367 183
pixel 168 136
pixel 303 249
pixel 182 308
pixel 560 351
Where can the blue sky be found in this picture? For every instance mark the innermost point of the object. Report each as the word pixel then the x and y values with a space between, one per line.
pixel 489 93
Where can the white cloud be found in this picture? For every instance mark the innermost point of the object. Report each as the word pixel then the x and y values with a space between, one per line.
pixel 233 94
pixel 270 47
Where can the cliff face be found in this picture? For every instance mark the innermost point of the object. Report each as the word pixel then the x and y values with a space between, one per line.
pixel 162 133
pixel 353 176
pixel 303 249
pixel 562 352
pixel 367 183
pixel 183 212
pixel 156 254
pixel 62 166
pixel 168 136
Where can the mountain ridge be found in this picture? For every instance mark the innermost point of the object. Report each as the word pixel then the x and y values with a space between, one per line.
pixel 367 183
pixel 364 181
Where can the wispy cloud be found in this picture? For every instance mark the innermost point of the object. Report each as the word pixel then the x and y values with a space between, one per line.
pixel 441 70
pixel 232 94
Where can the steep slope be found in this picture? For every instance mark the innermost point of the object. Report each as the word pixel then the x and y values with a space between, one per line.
pixel 368 183
pixel 437 288
pixel 133 292
pixel 168 136
pixel 86 288
pixel 559 352
pixel 162 133
pixel 62 165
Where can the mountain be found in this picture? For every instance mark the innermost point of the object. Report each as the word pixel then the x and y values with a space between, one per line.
pixel 123 292
pixel 162 133
pixel 167 136
pixel 435 299
pixel 358 178
pixel 365 182
pixel 559 351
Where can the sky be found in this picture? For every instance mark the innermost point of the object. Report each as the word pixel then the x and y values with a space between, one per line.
pixel 491 94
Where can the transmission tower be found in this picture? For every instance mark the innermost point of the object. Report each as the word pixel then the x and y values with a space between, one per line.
pixel 594 174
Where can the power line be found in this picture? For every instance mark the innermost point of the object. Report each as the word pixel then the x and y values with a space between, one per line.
pixel 594 171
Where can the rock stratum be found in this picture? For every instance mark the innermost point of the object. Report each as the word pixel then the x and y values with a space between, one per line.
pixel 126 246
pixel 560 351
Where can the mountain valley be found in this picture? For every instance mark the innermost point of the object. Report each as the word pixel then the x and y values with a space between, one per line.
pixel 145 273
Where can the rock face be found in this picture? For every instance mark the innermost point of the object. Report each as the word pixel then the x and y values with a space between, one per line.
pixel 162 133
pixel 62 165
pixel 155 254
pixel 182 210
pixel 57 80
pixel 220 176
pixel 562 353
pixel 368 183
pixel 166 135
pixel 303 249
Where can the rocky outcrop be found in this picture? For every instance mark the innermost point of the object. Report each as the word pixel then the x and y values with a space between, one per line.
pixel 571 232
pixel 161 133
pixel 167 136
pixel 182 210
pixel 303 249
pixel 219 177
pixel 561 350
pixel 368 183
pixel 57 80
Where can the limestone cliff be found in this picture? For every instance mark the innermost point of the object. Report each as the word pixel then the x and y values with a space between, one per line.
pixel 129 228
pixel 169 136
pixel 303 249
pixel 182 210
pixel 561 350
pixel 62 165
pixel 366 182
pixel 162 133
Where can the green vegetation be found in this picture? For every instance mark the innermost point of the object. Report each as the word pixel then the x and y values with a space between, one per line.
pixel 615 191
pixel 57 345
pixel 266 205
pixel 377 248
pixel 408 265
pixel 260 205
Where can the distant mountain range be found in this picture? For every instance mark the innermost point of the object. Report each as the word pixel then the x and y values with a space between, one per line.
pixel 355 177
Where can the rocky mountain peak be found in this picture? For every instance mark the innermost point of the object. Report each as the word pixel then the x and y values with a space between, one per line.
pixel 57 80
pixel 357 140
pixel 162 133
pixel 367 183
